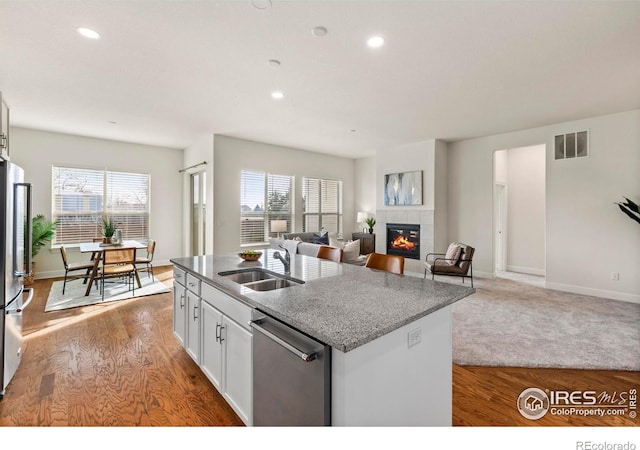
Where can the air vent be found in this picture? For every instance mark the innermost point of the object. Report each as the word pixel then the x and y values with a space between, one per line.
pixel 572 145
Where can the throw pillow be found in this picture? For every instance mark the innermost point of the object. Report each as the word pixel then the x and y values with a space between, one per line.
pixel 351 251
pixel 333 241
pixel 297 238
pixel 321 238
pixel 453 254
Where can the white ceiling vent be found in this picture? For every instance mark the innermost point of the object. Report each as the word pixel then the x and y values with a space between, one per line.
pixel 572 145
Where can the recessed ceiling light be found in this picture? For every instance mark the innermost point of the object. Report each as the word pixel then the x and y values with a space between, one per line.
pixel 319 31
pixel 277 95
pixel 375 41
pixel 261 4
pixel 274 62
pixel 88 33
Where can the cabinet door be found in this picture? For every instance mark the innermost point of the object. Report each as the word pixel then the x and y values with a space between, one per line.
pixel 179 312
pixel 238 378
pixel 193 326
pixel 211 344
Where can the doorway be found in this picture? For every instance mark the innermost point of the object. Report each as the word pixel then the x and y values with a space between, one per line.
pixel 519 211
pixel 198 212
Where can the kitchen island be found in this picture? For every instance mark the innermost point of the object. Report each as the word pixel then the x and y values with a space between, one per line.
pixel 390 335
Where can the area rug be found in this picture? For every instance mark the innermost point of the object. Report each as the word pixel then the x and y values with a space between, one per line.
pixel 74 293
pixel 508 323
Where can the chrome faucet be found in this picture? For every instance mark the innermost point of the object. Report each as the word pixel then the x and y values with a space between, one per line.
pixel 286 260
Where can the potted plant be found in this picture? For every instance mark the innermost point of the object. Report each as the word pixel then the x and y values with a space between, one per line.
pixel 108 229
pixel 42 232
pixel 631 209
pixel 370 222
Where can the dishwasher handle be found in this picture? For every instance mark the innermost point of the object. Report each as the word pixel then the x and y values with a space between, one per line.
pixel 306 357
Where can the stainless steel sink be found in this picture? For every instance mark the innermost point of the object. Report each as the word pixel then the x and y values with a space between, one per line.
pixel 247 276
pixel 270 285
pixel 259 279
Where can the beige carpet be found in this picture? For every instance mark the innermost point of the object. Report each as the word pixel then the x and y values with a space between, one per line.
pixel 515 324
pixel 74 293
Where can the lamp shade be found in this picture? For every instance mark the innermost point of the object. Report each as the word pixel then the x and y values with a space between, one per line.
pixel 278 226
pixel 362 216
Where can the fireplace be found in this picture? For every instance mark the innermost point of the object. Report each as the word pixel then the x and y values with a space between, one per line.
pixel 403 240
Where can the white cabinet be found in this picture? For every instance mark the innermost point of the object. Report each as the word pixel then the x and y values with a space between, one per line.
pixel 238 369
pixel 214 329
pixel 227 349
pixel 211 345
pixel 193 326
pixel 179 312
pixel 192 320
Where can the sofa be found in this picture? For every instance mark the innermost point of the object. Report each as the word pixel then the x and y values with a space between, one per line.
pixel 303 244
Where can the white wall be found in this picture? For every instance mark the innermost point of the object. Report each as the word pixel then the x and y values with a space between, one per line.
pixel 36 151
pixel 198 152
pixel 526 210
pixel 365 187
pixel 440 238
pixel 587 237
pixel 408 158
pixel 232 155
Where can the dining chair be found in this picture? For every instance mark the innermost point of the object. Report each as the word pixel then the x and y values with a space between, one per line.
pixel 147 260
pixel 118 263
pixel 73 267
pixel 388 263
pixel 330 253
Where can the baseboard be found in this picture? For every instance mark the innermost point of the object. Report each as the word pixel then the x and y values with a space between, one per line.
pixel 527 270
pixel 613 295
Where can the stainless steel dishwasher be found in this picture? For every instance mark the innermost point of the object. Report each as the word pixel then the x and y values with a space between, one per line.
pixel 291 375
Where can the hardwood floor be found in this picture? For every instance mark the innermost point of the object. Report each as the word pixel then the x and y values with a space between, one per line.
pixel 118 364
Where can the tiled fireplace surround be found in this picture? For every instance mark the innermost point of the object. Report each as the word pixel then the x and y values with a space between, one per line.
pixel 423 217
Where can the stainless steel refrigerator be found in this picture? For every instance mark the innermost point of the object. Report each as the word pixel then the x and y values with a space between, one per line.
pixel 15 263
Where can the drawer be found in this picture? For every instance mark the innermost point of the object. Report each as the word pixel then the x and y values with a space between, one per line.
pixel 193 284
pixel 179 276
pixel 230 307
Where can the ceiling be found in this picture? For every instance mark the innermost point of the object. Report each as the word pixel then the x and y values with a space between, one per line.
pixel 168 72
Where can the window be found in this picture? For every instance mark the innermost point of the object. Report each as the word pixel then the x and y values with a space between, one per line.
pixel 82 196
pixel 264 197
pixel 322 205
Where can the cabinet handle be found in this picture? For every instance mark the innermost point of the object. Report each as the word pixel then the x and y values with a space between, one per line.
pixel 182 301
pixel 3 140
pixel 221 338
pixel 194 313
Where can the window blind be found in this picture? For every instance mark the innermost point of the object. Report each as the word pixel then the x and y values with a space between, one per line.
pixel 264 197
pixel 82 196
pixel 322 204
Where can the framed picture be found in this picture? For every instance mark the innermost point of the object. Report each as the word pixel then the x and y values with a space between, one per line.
pixel 403 189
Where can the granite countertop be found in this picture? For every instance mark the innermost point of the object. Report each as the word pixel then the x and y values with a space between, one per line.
pixel 342 305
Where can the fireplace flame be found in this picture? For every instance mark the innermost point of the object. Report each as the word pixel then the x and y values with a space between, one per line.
pixel 403 243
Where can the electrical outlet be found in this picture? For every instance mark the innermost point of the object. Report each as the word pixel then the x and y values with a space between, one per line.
pixel 414 337
pixel 615 276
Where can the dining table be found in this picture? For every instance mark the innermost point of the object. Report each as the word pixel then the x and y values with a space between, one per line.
pixel 93 247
